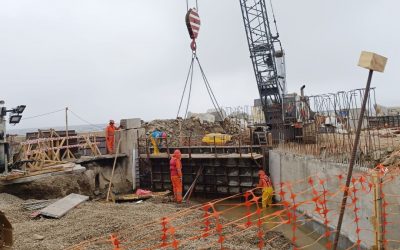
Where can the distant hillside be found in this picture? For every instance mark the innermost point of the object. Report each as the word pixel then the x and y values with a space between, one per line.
pixel 77 128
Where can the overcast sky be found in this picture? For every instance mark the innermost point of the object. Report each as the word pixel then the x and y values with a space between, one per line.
pixel 129 58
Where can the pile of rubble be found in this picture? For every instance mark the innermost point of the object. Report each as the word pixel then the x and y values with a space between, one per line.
pixel 179 130
pixel 392 158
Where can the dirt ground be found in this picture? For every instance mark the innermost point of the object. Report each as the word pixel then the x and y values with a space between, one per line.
pixel 50 187
pixel 95 218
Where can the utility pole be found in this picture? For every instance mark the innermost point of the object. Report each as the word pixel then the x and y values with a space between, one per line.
pixel 3 153
pixel 68 154
pixel 15 117
pixel 372 62
pixel 66 125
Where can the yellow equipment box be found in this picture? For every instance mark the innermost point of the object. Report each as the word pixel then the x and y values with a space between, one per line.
pixel 217 138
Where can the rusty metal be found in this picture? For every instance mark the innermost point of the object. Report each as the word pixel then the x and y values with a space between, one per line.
pixel 166 145
pixel 352 161
pixel 190 142
pixel 240 146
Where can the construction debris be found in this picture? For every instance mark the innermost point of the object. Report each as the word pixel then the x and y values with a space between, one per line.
pixel 62 206
pixel 178 129
pixel 36 204
pixel 138 196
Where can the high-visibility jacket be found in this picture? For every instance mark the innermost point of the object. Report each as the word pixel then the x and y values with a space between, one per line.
pixel 110 131
pixel 264 181
pixel 110 134
pixel 175 167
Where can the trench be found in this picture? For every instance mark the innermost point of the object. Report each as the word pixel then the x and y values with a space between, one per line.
pixel 305 236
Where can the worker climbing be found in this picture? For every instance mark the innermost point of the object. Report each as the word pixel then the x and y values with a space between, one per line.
pixel 267 190
pixel 156 138
pixel 110 136
pixel 175 166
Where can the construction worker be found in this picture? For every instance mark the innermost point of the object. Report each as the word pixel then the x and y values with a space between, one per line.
pixel 175 167
pixel 110 135
pixel 156 138
pixel 267 190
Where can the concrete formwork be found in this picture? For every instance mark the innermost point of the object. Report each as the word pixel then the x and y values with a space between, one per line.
pixel 225 171
pixel 286 167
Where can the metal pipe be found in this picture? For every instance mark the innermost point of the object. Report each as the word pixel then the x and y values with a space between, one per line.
pixel 352 160
pixel 190 149
pixel 302 90
pixel 215 148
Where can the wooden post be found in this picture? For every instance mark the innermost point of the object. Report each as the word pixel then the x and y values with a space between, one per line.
pixel 67 153
pixel 113 170
pixel 372 62
pixel 378 223
pixel 269 136
pixel 66 125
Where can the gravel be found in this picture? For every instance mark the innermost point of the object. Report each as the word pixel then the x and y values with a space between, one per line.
pixel 100 219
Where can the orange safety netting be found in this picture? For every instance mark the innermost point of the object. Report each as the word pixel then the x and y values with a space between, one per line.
pixel 372 210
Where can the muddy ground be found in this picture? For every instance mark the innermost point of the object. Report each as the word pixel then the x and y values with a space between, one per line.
pixel 97 218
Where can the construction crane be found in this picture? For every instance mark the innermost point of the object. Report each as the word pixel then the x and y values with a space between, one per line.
pixel 267 56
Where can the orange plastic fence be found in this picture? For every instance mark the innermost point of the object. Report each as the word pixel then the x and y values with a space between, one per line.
pixel 298 202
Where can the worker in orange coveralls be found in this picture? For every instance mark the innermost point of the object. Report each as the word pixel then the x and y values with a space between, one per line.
pixel 267 190
pixel 110 134
pixel 175 167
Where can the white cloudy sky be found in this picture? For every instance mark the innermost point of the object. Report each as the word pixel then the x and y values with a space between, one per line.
pixel 129 58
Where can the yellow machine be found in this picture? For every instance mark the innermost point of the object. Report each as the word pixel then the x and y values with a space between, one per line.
pixel 155 146
pixel 216 138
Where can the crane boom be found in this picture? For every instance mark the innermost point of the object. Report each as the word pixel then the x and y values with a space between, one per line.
pixel 267 56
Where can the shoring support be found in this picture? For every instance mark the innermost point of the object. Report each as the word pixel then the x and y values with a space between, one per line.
pixel 373 62
pixel 378 223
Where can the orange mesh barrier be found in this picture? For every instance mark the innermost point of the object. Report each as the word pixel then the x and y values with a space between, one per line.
pixel 314 199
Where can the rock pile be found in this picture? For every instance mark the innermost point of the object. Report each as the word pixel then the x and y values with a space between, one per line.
pixel 179 130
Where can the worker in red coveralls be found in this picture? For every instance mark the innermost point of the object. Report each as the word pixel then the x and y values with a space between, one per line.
pixel 110 135
pixel 175 167
pixel 267 190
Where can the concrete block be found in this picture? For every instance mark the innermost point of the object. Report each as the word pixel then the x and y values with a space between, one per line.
pixel 131 123
pixel 62 206
pixel 372 61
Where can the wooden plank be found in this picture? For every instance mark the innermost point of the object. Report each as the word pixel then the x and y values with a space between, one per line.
pixel 206 156
pixel 62 206
pixel 372 61
pixel 135 197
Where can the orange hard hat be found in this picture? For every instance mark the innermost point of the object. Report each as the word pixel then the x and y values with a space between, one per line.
pixel 177 153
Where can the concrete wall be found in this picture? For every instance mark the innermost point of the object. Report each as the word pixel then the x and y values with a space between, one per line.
pixel 99 175
pixel 129 139
pixel 286 167
pixel 126 172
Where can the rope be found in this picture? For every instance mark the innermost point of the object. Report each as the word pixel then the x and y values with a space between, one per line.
pixel 273 15
pixel 187 5
pixel 80 118
pixel 49 113
pixel 214 101
pixel 209 90
pixel 186 82
pixel 190 92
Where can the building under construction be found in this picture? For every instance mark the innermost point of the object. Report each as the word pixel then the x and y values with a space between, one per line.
pixel 332 162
